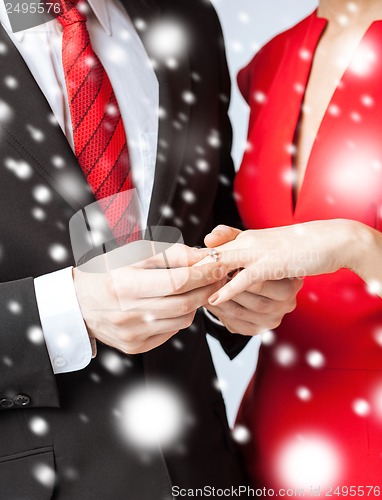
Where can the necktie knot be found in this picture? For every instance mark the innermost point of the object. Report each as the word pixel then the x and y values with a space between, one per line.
pixel 71 12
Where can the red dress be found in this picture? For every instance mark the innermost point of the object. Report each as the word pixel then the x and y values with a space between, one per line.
pixel 314 407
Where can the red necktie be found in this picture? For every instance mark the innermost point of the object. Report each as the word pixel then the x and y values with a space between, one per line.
pixel 99 136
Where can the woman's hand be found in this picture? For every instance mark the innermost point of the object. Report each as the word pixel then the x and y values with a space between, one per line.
pixel 260 308
pixel 307 249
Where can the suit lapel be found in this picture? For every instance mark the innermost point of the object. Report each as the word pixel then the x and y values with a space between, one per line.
pixel 34 133
pixel 172 131
pixel 173 83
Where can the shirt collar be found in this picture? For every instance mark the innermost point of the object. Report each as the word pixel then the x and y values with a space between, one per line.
pixel 99 8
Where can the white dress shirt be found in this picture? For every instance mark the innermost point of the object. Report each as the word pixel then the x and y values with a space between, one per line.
pixel 135 85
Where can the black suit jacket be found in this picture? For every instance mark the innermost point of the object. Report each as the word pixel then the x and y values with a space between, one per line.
pixel 82 443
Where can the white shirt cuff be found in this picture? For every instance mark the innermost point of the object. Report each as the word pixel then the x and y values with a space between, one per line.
pixel 65 333
pixel 212 318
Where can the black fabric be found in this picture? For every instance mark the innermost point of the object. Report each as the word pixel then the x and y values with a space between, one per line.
pixel 82 440
pixel 232 344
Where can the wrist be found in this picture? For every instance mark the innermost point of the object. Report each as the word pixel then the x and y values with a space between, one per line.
pixel 359 242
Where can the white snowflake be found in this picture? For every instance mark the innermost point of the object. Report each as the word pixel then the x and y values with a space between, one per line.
pixel 6 112
pixel 167 39
pixel 223 179
pixel 356 117
pixel 378 336
pixel 35 335
pixel 374 287
pixel 112 362
pixel 244 17
pixel 39 426
pixel 52 119
pixel 95 378
pixel 167 211
pixel 361 407
pixel 153 414
pixel 241 434
pixel 44 474
pixel 162 113
pixel 304 393
pixel 285 355
pixel 58 161
pixel 202 165
pixel 172 63
pixel 188 196
pixel 140 24
pixel 36 134
pixel 352 7
pixel 11 82
pixel 214 139
pixel 343 20
pixel 189 97
pixel 7 361
pixel 42 194
pixel 58 252
pixel 14 307
pixel 178 344
pixel 315 359
pixel 220 384
pixel 268 338
pixel 259 97
pixel 38 213
pixel 367 101
pixel 20 168
pixel 305 55
pixel 304 462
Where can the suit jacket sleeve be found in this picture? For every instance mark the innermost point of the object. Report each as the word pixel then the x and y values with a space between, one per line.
pixel 225 210
pixel 26 375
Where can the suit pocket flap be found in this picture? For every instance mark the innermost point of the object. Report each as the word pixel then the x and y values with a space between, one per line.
pixel 27 476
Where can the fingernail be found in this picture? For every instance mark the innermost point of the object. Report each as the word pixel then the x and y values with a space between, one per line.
pixel 213 299
pixel 219 228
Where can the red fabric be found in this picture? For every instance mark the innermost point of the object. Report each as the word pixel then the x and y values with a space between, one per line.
pixel 336 315
pixel 99 135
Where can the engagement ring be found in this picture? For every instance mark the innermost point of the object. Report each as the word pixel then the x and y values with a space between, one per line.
pixel 213 253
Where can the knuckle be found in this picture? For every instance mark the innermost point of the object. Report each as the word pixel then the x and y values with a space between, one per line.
pixel 187 321
pixel 229 311
pixel 233 327
pixel 133 350
pixel 264 305
pixel 291 306
pixel 284 294
pixel 249 330
pixel 185 306
pixel 280 274
pixel 133 338
pixel 119 320
pixel 275 324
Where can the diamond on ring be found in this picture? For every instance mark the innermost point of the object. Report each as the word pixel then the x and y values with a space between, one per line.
pixel 213 253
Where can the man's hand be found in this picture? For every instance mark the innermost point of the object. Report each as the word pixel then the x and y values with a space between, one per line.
pixel 138 307
pixel 262 306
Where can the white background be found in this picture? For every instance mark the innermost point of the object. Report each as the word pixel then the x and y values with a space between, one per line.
pixel 247 25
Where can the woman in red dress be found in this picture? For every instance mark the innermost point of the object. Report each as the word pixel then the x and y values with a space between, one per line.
pixel 313 165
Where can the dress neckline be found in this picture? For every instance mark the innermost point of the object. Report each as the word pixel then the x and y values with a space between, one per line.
pixel 311 40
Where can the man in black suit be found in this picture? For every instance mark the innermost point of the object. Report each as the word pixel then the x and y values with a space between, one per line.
pixel 60 434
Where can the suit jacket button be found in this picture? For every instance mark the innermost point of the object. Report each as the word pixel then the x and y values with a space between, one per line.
pixel 6 403
pixel 22 400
